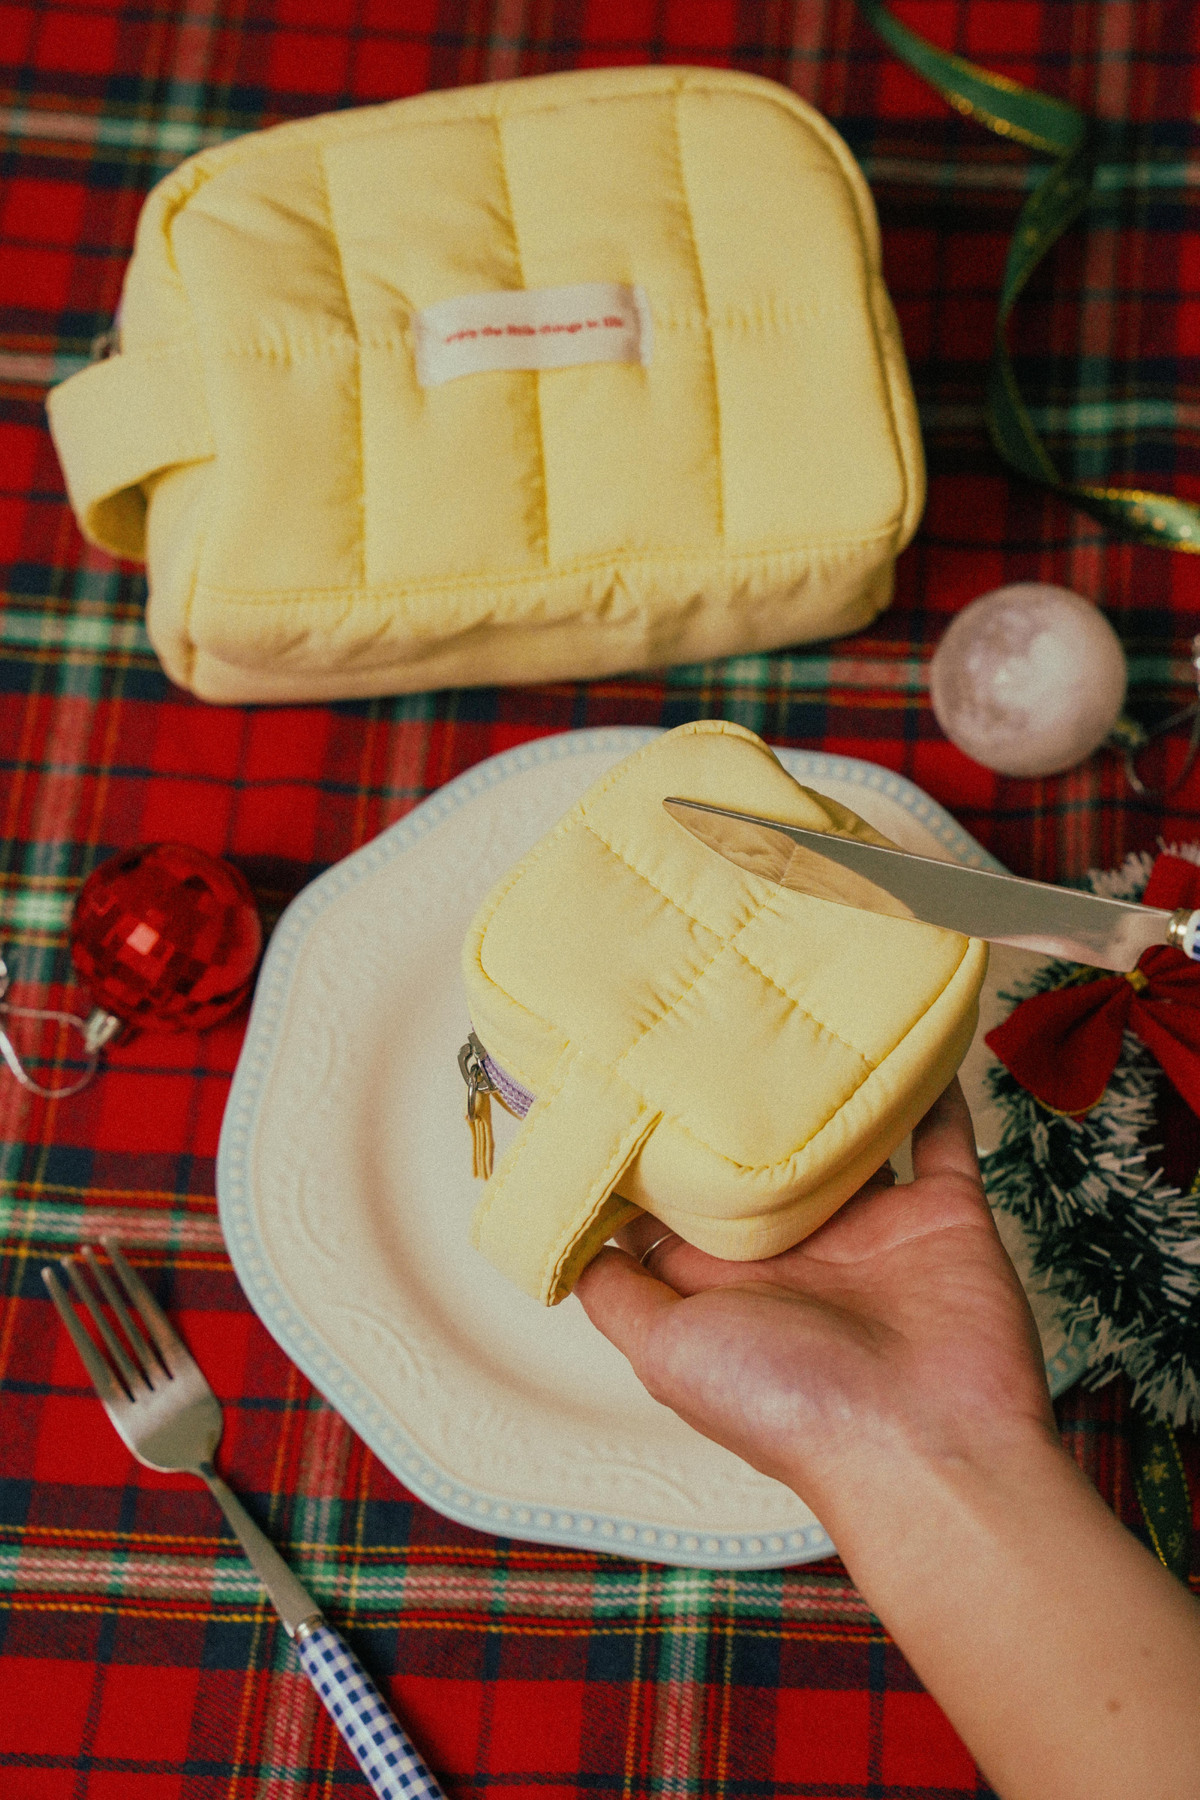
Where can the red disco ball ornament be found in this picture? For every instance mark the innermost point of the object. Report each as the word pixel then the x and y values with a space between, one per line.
pixel 165 936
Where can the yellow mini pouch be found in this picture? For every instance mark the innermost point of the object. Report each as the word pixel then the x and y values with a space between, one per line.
pixel 531 381
pixel 694 1040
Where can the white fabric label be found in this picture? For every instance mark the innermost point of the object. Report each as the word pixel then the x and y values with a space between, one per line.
pixel 532 328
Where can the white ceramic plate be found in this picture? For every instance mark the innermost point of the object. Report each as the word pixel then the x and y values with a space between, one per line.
pixel 344 1186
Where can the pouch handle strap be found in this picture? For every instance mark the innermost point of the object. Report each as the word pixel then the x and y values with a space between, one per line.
pixel 550 1205
pixel 1052 126
pixel 118 422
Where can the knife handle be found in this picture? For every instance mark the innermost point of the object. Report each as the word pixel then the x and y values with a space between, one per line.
pixel 1183 931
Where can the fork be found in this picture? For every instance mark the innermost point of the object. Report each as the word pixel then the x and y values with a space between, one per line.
pixel 155 1394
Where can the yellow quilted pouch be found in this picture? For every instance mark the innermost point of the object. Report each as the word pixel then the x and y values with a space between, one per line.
pixel 690 1039
pixel 537 380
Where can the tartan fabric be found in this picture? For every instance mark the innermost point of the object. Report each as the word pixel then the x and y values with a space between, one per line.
pixel 138 1660
pixel 384 1752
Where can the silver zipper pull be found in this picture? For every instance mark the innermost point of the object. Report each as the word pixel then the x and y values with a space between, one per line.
pixel 480 1088
pixel 473 1069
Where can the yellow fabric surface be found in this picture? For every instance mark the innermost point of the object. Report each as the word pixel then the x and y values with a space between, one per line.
pixel 588 1119
pixel 126 419
pixel 352 532
pixel 754 1053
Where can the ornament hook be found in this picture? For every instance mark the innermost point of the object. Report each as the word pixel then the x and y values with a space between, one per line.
pixel 1131 738
pixel 9 1052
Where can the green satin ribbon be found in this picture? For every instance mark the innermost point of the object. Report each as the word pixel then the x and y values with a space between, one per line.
pixel 1053 127
pixel 1162 1490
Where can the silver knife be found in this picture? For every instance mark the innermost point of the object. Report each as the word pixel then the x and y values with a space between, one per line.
pixel 1006 909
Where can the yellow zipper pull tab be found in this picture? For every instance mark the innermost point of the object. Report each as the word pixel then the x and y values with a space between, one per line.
pixel 480 1088
pixel 483 1143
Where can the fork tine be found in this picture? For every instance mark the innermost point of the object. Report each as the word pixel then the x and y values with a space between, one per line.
pixel 150 1363
pixel 103 1379
pixel 131 1376
pixel 174 1352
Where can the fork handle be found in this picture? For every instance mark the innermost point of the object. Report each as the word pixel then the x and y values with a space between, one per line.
pixel 292 1601
pixel 383 1751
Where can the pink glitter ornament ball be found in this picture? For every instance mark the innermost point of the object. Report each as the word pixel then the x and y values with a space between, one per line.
pixel 1028 679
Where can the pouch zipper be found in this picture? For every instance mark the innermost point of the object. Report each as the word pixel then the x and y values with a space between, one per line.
pixel 485 1078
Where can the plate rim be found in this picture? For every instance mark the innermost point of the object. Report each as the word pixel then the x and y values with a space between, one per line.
pixel 594 1530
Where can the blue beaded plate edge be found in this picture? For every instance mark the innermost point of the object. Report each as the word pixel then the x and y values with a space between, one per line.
pixel 590 1531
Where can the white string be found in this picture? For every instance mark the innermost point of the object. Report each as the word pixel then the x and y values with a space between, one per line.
pixel 9 1053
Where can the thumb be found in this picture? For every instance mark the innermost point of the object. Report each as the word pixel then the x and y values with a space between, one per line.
pixel 943 1143
pixel 624 1301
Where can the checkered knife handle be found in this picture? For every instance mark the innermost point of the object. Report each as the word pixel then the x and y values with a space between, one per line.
pixel 383 1751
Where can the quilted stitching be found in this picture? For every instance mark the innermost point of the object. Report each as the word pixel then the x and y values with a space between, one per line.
pixel 540 538
pixel 360 473
pixel 707 319
pixel 362 537
pixel 726 943
pixel 768 1112
pixel 538 517
pixel 806 1011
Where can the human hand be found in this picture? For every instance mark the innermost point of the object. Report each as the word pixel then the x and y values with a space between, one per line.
pixel 887 1369
pixel 899 1329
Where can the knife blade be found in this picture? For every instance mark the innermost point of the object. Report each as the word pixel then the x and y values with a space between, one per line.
pixel 1005 909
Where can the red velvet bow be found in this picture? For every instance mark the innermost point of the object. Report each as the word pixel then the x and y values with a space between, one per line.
pixel 1063 1045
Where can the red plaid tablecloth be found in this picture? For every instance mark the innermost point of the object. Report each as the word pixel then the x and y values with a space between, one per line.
pixel 138 1660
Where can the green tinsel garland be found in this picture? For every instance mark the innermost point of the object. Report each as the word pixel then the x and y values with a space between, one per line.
pixel 1121 1245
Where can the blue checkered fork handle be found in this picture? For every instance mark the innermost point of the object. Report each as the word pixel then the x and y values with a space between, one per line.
pixel 384 1752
